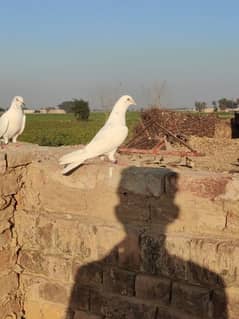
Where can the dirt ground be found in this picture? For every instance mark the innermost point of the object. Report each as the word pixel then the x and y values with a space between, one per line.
pixel 208 134
pixel 220 155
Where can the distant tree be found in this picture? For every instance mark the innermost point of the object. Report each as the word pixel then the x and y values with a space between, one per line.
pixel 214 104
pixel 67 106
pixel 222 103
pixel 234 104
pixel 49 108
pixel 231 104
pixel 197 105
pixel 81 109
pixel 226 104
pixel 200 106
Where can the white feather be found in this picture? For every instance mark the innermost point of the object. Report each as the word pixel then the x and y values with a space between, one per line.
pixel 3 124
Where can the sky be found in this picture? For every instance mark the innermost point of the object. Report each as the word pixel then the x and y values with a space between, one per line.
pixel 182 50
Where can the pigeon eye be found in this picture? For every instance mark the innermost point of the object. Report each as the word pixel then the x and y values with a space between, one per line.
pixel 128 99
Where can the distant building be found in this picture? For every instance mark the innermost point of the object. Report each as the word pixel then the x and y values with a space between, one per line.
pixel 29 111
pixel 51 110
pixel 231 110
pixel 43 111
pixel 183 109
pixel 208 110
pixel 56 111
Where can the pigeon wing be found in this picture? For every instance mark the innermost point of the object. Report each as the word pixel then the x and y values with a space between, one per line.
pixel 106 140
pixel 4 122
pixel 23 124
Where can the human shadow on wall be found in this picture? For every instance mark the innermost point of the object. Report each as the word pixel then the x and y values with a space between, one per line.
pixel 140 278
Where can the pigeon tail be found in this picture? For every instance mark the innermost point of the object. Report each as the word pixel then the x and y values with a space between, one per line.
pixel 70 167
pixel 73 160
pixel 73 157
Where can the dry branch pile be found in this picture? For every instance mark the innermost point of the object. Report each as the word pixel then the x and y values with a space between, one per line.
pixel 182 124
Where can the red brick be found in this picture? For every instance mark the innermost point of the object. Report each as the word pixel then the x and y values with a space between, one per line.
pixel 152 288
pixel 79 299
pixel 118 308
pixel 53 292
pixel 220 304
pixel 119 281
pixel 33 261
pixel 129 251
pixel 192 300
pixel 90 275
pixel 86 315
pixel 207 185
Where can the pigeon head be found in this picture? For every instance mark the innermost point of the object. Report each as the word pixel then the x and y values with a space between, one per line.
pixel 120 108
pixel 17 101
pixel 127 100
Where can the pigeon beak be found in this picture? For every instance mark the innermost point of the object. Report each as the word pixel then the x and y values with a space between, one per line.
pixel 23 103
pixel 133 102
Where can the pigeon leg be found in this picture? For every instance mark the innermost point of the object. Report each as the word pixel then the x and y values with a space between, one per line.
pixel 111 156
pixel 14 140
pixel 5 139
pixel 3 142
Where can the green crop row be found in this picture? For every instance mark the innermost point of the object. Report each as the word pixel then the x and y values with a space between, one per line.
pixel 64 129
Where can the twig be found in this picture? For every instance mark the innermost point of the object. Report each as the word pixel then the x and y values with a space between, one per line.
pixel 159 152
pixel 175 137
pixel 139 135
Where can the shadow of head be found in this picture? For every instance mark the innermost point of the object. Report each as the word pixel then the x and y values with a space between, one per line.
pixel 146 196
pixel 146 208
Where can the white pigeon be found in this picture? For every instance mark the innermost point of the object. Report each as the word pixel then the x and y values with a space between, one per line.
pixel 12 122
pixel 106 141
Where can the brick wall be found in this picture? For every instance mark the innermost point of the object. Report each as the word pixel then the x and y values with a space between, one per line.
pixel 10 270
pixel 116 242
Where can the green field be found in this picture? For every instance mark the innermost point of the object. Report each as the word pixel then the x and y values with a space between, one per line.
pixel 64 129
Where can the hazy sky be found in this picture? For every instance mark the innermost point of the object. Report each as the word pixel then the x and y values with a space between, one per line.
pixel 56 50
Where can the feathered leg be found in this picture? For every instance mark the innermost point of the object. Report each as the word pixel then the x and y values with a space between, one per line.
pixel 111 156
